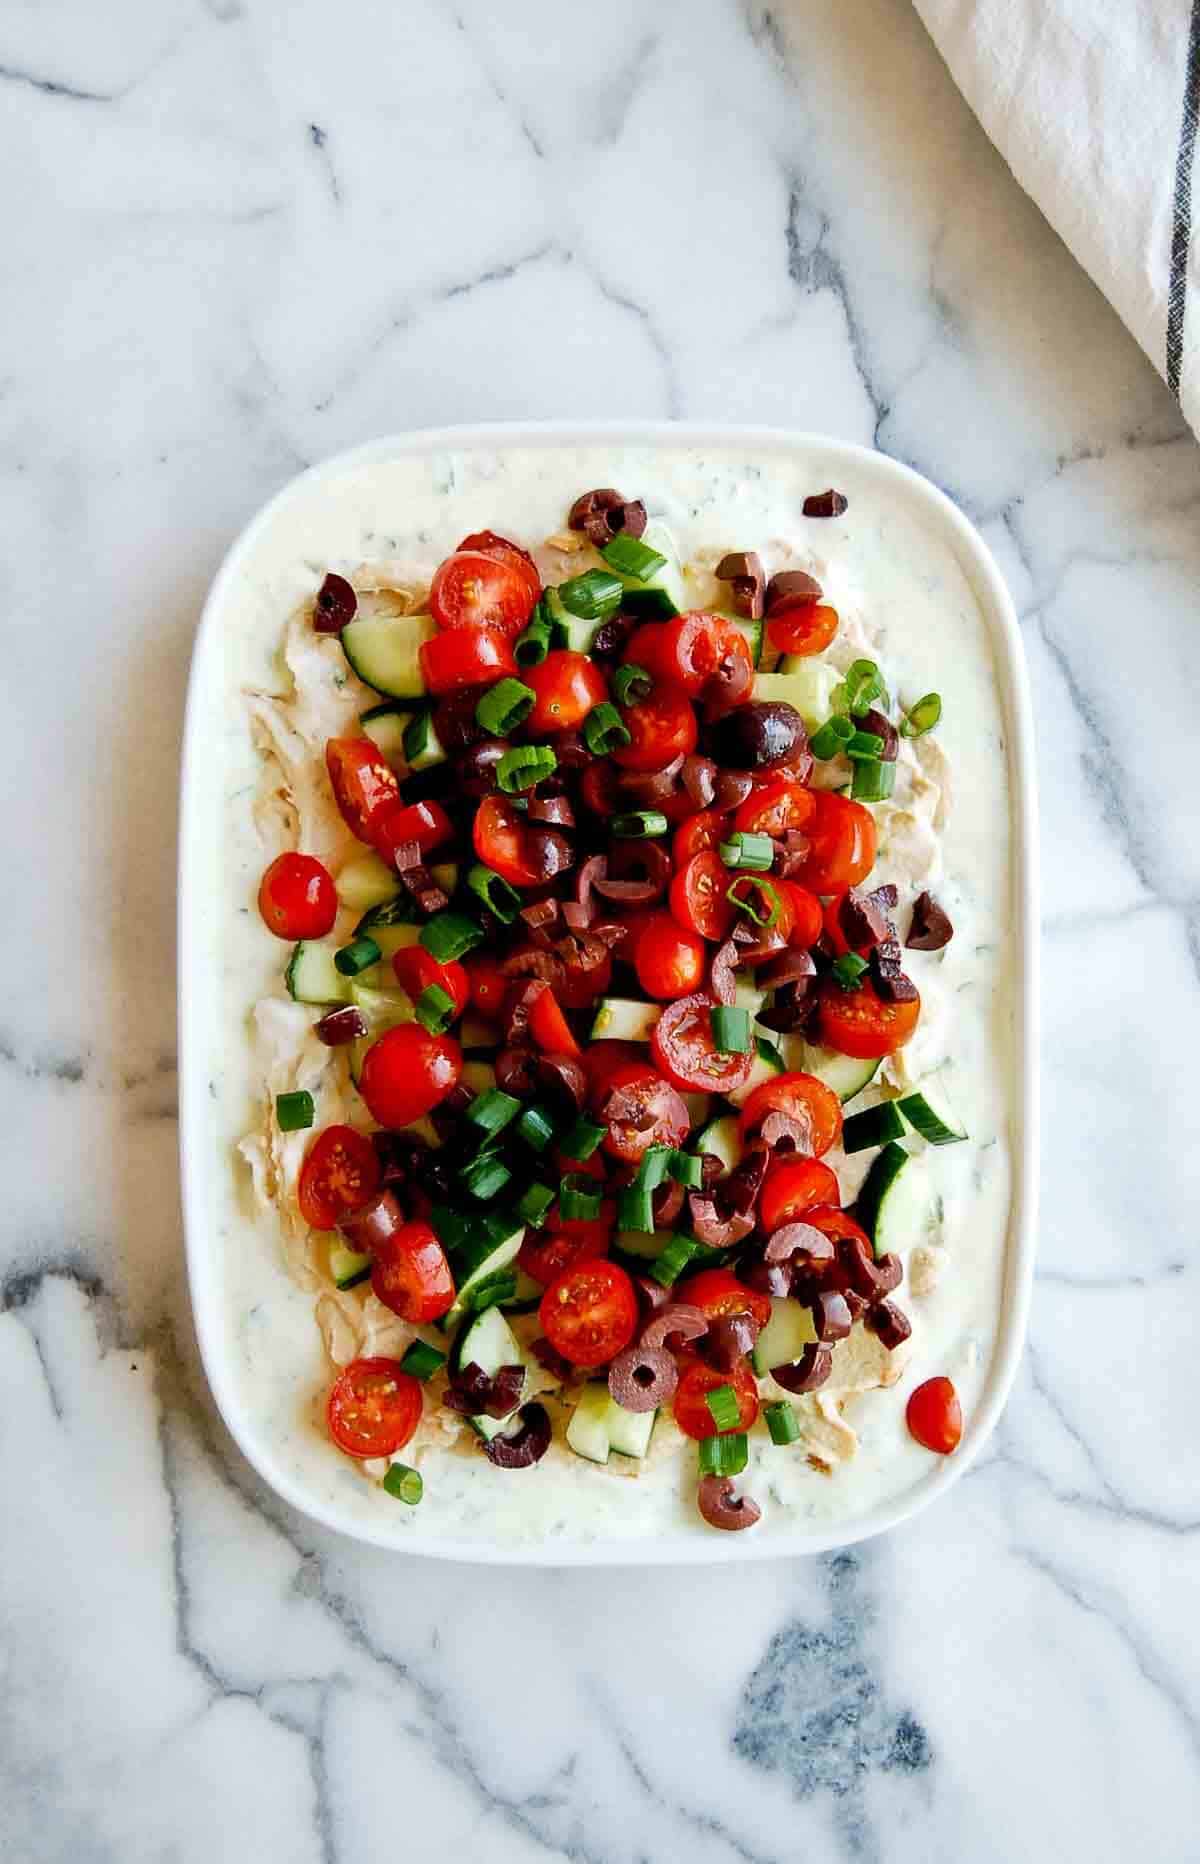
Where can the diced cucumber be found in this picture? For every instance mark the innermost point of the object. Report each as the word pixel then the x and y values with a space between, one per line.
pixel 768 1062
pixel 806 684
pixel 754 632
pixel 366 881
pixel 629 1432
pixel 785 1336
pixel 843 1073
pixel 698 1106
pixel 384 725
pixel 574 631
pixel 391 925
pixel 491 1244
pixel 381 1009
pixel 929 1113
pixel 621 1019
pixel 661 594
pixel 347 1266
pixel 528 1295
pixel 746 994
pixel 720 1138
pixel 645 1244
pixel 893 1204
pixel 313 977
pixel 489 1343
pixel 446 875
pixel 874 1126
pixel 422 746
pixel 474 1033
pixel 385 652
pixel 587 1431
pixel 478 1076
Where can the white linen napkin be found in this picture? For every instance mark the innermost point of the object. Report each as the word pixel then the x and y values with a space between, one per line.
pixel 1093 103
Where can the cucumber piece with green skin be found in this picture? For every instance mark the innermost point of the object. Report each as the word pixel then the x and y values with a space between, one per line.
pixel 474 1033
pixel 576 632
pixel 385 652
pixel 661 594
pixel 874 1126
pixel 528 1295
pixel 385 726
pixel 347 1266
pixel 785 1336
pixel 489 1343
pixel 846 1075
pixel 893 1204
pixel 629 1432
pixel 754 632
pixel 489 1246
pixel 478 1076
pixel 365 881
pixel 313 977
pixel 699 1107
pixel 587 1431
pixel 621 1019
pixel 644 1244
pixel 720 1138
pixel 746 994
pixel 806 684
pixel 382 1009
pixel 768 1062
pixel 393 927
pixel 930 1114
pixel 422 746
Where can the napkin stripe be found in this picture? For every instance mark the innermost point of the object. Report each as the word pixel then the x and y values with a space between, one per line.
pixel 1181 232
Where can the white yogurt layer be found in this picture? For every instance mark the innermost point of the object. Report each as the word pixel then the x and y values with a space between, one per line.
pixel 904 598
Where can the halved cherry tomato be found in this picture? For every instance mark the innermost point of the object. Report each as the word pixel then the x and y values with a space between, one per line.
pixel 426 823
pixel 773 810
pixel 416 969
pixel 698 833
pixel 660 728
pixel 565 687
pixel 466 657
pixel 696 1381
pixel 598 787
pixel 642 1110
pixel 407 1072
pixel 804 1099
pixel 807 917
pixel 499 837
pixel 771 898
pixel 339 1175
pixel 791 1187
pixel 505 551
pixel 682 1045
pixel 717 1292
pixel 474 589
pixel 836 1224
pixel 860 1022
pixel 590 1313
pixel 690 650
pixel 297 897
pixel 669 961
pixel 841 836
pixel 373 1408
pixel 934 1416
pixel 603 1061
pixel 547 1257
pixel 802 627
pixel 411 1274
pixel 698 896
pixel 363 785
pixel 549 1027
pixel 489 986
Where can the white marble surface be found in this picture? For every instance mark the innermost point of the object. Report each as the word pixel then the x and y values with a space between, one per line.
pixel 239 236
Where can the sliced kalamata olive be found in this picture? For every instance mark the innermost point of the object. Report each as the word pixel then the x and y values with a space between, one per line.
pixel 336 1027
pixel 931 927
pixel 581 953
pixel 788 968
pixel 863 1273
pixel 401 1155
pixel 888 975
pixel 721 978
pixel 733 787
pixel 528 1446
pixel 666 1202
pixel 743 569
pixel 540 915
pixel 787 1132
pixel 831 1316
pixel 857 1303
pixel 548 852
pixel 420 884
pixel 730 1338
pixel 739 1191
pixel 709 1226
pixel 616 934
pixel 792 586
pixel 652 1296
pixel 728 685
pixel 550 1359
pixel 766 1278
pixel 863 919
pixel 375 1224
pixel 637 873
pixel 677 1318
pixel 554 809
pixel 712 1170
pixel 562 1082
pixel 471 1382
pixel 889 1323
pixel 722 1507
pixel 806 1373
pixel 590 871
pixel 454 719
pixel 882 726
pixel 755 736
pixel 531 961
pixel 610 637
pixel 793 1008
pixel 790 854
pixel 577 917
pixel 602 513
pixel 782 1244
pixel 514 1070
pixel 518 1008
pixel 643 1377
pixel 507 1386
pixel 335 606
pixel 889 1272
pixel 699 779
pixel 829 504
pixel 406 855
pixel 570 751
pixel 646 789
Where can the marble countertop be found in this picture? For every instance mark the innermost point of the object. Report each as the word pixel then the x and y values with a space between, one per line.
pixel 241 236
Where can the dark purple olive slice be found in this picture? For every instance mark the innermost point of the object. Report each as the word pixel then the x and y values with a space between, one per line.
pixel 528 1446
pixel 336 605
pixel 721 1507
pixel 643 1377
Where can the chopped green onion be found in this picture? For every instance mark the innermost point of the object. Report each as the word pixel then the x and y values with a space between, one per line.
pixel 404 1483
pixel 730 1029
pixel 485 1175
pixel 604 731
pixel 504 706
pixel 653 1166
pixel 492 1110
pixel 357 955
pixel 294 1111
pixel 450 935
pixel 578 1199
pixel 531 648
pixel 922 717
pixel 864 744
pixel 782 1422
pixel 767 1051
pixel 630 684
pixel 724 1408
pixel 639 824
pixel 832 737
pixel 489 1292
pixel 669 1266
pixel 687 1169
pixel 862 685
pixel 724 1456
pixel 583 1139
pixel 536 1128
pixel 435 1009
pixel 745 904
pixel 452 1227
pixel 422 1361
pixel 533 1204
pixel 630 557
pixel 635 1209
pixel 747 850
pixel 522 768
pixel 848 969
pixel 872 782
pixel 594 596
pixel 499 898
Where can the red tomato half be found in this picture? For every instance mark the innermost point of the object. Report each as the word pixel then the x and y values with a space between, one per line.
pixel 426 823
pixel 860 1022
pixel 836 1224
pixel 466 657
pixel 661 728
pixel 565 687
pixel 407 1072
pixel 777 807
pixel 802 627
pixel 416 969
pixel 363 785
pixel 717 1292
pixel 700 832
pixel 474 589
pixel 699 896
pixel 489 986
pixel 934 1416
pixel 696 1381
pixel 807 918
pixel 805 1099
pixel 841 835
pixel 505 551
pixel 590 1313
pixel 791 1187
pixel 412 1276
pixel 682 1045
pixel 669 961
pixel 547 1257
pixel 339 1175
pixel 499 837
pixel 688 651
pixel 550 1029
pixel 642 1110
pixel 603 1061
pixel 297 897
pixel 374 1408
